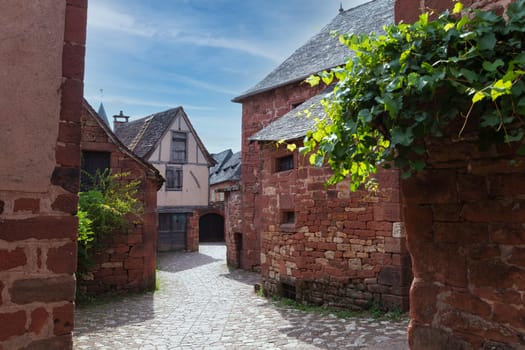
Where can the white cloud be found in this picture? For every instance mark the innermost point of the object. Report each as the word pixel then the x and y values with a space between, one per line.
pixel 161 27
pixel 127 100
pixel 202 84
pixel 251 48
pixel 103 17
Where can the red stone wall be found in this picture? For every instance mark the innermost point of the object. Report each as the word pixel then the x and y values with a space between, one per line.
pixel 257 112
pixel 233 227
pixel 465 231
pixel 38 228
pixel 192 237
pixel 465 227
pixel 125 262
pixel 345 249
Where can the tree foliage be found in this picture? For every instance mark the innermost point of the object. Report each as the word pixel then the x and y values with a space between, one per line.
pixel 414 80
pixel 107 207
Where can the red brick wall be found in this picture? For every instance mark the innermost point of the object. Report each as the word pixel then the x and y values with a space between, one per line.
pixel 38 229
pixel 257 112
pixel 343 249
pixel 465 231
pixel 125 262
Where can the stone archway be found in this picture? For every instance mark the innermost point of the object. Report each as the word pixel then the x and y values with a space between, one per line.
pixel 211 228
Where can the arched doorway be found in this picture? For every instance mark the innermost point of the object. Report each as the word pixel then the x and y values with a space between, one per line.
pixel 211 228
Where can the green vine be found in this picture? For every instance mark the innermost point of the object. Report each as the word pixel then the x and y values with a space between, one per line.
pixel 464 67
pixel 107 207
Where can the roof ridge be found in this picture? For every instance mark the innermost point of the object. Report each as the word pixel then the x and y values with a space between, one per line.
pixel 141 132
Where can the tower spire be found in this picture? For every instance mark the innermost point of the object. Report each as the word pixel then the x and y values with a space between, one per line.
pixel 341 7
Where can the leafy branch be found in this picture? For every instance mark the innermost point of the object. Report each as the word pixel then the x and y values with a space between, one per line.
pixel 415 80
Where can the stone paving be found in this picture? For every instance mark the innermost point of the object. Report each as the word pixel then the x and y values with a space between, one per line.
pixel 203 305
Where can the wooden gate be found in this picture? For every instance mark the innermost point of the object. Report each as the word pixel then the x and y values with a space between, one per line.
pixel 172 231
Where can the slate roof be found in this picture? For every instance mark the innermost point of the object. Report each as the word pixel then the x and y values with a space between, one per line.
pixel 323 51
pixel 294 124
pixel 143 135
pixel 228 167
pixel 120 145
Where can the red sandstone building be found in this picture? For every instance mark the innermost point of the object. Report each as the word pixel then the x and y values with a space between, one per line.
pixel 126 261
pixel 311 243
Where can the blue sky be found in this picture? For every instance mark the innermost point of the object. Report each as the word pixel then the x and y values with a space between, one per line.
pixel 151 55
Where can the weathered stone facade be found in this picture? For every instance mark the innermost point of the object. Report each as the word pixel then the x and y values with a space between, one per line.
pixel 257 112
pixel 233 226
pixel 341 248
pixel 465 232
pixel 41 92
pixel 126 261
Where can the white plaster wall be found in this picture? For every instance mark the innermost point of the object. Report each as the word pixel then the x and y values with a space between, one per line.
pixel 195 172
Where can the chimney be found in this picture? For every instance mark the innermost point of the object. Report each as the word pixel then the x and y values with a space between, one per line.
pixel 119 120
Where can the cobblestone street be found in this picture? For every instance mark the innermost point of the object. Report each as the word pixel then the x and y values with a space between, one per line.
pixel 202 305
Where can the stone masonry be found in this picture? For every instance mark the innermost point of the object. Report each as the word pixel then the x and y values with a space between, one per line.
pixel 126 261
pixel 465 222
pixel 42 85
pixel 342 249
pixel 257 112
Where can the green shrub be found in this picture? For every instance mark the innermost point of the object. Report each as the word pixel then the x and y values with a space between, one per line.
pixel 106 208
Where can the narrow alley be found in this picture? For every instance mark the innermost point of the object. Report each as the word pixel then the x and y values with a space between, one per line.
pixel 202 305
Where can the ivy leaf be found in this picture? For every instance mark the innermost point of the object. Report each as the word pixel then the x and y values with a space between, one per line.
pixel 487 42
pixel 313 80
pixel 327 77
pixel 402 136
pixel 513 138
pixel 291 147
pixel 469 75
pixel 365 115
pixel 490 120
pixel 492 66
pixel 457 8
pixel 500 88
pixel 478 96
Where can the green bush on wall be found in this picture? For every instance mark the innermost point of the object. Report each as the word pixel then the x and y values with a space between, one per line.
pixel 103 210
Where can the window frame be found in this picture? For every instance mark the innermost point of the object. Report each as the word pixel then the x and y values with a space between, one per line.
pixel 179 137
pixel 171 181
pixel 284 163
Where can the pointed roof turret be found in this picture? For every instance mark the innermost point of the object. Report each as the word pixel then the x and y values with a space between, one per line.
pixel 102 113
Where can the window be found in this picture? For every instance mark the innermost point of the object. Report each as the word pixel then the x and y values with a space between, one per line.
pixel 178 147
pixel 288 217
pixel 173 178
pixel 93 163
pixel 285 163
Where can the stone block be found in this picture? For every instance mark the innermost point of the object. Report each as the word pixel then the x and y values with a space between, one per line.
pixel 42 227
pixel 63 319
pixel 13 324
pixel 10 259
pixel 66 203
pixel 398 230
pixel 39 320
pixel 67 177
pixel 63 259
pixel 75 26
pixel 60 342
pixel 54 289
pixel 27 204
